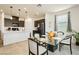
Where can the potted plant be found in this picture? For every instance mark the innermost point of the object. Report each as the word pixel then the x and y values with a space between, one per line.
pixel 77 37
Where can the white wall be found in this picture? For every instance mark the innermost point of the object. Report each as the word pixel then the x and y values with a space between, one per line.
pixel 0 21
pixel 49 22
pixel 1 24
pixel 29 25
pixel 74 18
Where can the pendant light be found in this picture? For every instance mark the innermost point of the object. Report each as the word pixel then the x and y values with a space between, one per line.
pixel 11 11
pixel 19 12
pixel 39 5
pixel 19 15
pixel 25 14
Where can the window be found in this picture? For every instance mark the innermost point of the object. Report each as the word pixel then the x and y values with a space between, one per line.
pixel 62 21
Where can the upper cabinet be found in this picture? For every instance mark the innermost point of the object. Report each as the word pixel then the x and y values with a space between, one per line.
pixel 21 23
pixel 14 22
pixel 7 22
pixel 39 22
pixel 15 19
pixel 40 26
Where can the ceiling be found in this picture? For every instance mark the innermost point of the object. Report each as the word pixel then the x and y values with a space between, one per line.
pixel 32 9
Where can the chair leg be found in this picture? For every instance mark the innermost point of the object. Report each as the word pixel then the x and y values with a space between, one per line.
pixel 59 47
pixel 47 52
pixel 70 49
pixel 29 51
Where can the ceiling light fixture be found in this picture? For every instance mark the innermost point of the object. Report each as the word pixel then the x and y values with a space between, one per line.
pixel 39 5
pixel 19 12
pixel 25 14
pixel 11 11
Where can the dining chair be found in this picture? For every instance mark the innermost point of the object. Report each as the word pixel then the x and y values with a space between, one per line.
pixel 60 33
pixel 37 36
pixel 66 41
pixel 37 47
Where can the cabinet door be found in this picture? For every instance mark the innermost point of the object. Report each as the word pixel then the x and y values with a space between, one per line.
pixel 7 22
pixel 41 24
pixel 42 28
pixel 21 23
pixel 36 23
pixel 15 19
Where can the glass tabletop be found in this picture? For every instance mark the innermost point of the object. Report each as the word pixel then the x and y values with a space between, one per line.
pixel 48 41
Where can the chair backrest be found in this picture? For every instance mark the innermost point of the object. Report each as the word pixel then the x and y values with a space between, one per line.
pixel 37 47
pixel 32 46
pixel 67 39
pixel 60 33
pixel 36 35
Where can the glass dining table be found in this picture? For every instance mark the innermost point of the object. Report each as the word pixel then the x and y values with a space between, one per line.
pixel 52 46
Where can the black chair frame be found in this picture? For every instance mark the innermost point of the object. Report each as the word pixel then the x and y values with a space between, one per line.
pixel 61 43
pixel 38 43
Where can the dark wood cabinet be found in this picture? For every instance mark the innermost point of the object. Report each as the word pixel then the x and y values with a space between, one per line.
pixel 14 22
pixel 7 22
pixel 40 24
pixel 21 23
pixel 15 19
